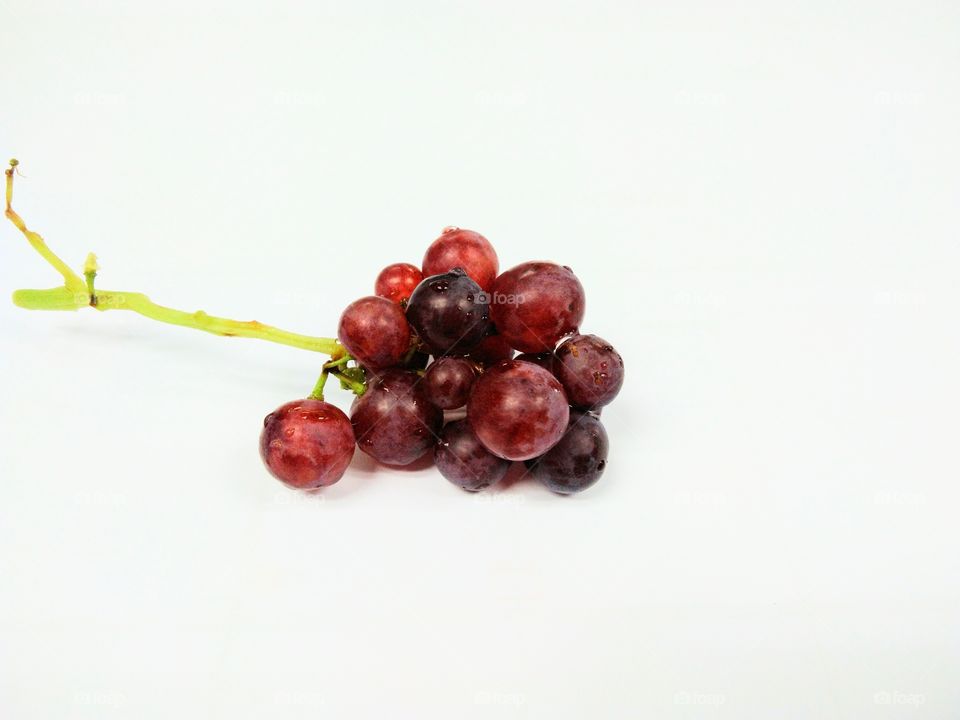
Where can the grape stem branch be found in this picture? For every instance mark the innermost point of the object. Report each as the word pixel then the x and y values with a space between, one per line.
pixel 78 292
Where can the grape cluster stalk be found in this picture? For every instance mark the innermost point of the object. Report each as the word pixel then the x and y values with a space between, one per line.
pixel 430 358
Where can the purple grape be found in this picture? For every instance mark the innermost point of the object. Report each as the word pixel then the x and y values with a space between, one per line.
pixel 518 410
pixel 543 359
pixel 491 350
pixel 590 369
pixel 448 380
pixel 464 461
pixel 450 313
pixel 393 421
pixel 307 443
pixel 578 460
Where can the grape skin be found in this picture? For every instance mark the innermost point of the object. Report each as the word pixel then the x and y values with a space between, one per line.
pixel 447 382
pixel 375 331
pixel 449 313
pixel 491 350
pixel 543 359
pixel 463 460
pixel 518 410
pixel 590 369
pixel 535 304
pixel 307 443
pixel 397 282
pixel 464 249
pixel 578 460
pixel 393 421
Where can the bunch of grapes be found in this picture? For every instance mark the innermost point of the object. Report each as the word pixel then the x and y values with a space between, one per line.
pixel 438 342
pixel 430 357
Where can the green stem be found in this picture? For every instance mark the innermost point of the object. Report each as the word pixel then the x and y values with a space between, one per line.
pixel 357 388
pixel 339 362
pixel 317 393
pixel 77 293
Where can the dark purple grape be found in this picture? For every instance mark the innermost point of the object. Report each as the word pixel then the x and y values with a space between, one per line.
pixel 393 421
pixel 535 304
pixel 450 313
pixel 590 369
pixel 464 461
pixel 543 359
pixel 491 350
pixel 578 460
pixel 375 331
pixel 518 410
pixel 448 380
pixel 307 443
pixel 464 249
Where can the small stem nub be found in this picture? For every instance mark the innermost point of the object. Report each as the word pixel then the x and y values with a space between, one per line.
pixel 317 393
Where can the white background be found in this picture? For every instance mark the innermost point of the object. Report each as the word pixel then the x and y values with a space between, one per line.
pixel 762 203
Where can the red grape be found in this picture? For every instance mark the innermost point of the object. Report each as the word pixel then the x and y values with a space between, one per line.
pixel 447 382
pixel 396 282
pixel 590 369
pixel 464 249
pixel 535 304
pixel 307 443
pixel 491 350
pixel 375 331
pixel 393 420
pixel 518 410
pixel 450 313
pixel 464 461
pixel 578 460
pixel 543 359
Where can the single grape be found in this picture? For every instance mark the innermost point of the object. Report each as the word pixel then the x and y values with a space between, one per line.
pixel 393 421
pixel 518 410
pixel 307 443
pixel 464 461
pixel 396 282
pixel 543 359
pixel 448 380
pixel 535 304
pixel 375 331
pixel 590 369
pixel 449 312
pixel 491 350
pixel 578 460
pixel 464 249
